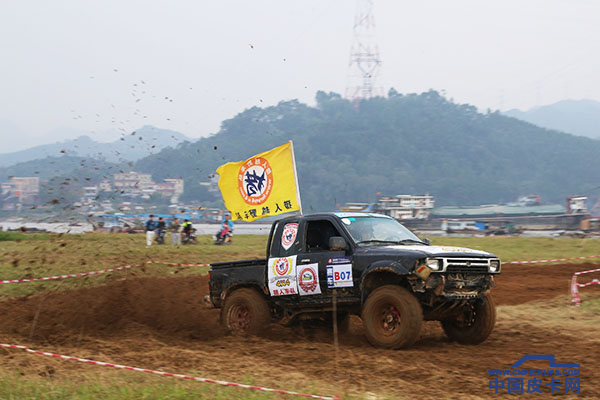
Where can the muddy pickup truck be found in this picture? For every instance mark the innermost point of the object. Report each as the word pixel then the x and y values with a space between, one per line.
pixel 371 266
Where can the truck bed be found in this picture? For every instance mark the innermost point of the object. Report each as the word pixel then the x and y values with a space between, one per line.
pixel 225 275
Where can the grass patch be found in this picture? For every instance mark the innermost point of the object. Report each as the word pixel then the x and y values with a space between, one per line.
pixel 17 236
pixel 591 305
pixel 514 248
pixel 68 254
pixel 556 315
pixel 117 385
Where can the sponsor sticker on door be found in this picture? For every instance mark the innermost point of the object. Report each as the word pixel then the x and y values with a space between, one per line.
pixel 308 279
pixel 282 276
pixel 339 276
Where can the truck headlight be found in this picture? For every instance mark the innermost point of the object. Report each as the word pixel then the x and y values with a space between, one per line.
pixel 433 264
pixel 494 265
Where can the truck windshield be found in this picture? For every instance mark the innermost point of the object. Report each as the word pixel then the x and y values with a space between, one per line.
pixel 373 230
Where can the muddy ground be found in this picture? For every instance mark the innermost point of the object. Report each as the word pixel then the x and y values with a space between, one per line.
pixel 161 323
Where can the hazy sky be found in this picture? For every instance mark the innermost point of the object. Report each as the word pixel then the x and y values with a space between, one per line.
pixel 103 67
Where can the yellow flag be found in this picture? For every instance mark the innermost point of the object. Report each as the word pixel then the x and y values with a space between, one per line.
pixel 262 186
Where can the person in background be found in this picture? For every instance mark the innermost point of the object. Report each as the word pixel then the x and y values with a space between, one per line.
pixel 226 227
pixel 161 225
pixel 175 232
pixel 187 228
pixel 160 231
pixel 151 226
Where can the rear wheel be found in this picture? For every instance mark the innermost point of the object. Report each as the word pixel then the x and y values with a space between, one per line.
pixel 245 312
pixel 474 324
pixel 392 317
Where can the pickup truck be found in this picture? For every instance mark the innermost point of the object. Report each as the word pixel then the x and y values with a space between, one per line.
pixel 369 265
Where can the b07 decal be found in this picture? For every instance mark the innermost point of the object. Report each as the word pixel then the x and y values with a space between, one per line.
pixel 339 276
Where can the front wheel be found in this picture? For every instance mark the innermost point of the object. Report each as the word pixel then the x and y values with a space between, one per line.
pixel 245 312
pixel 474 324
pixel 392 317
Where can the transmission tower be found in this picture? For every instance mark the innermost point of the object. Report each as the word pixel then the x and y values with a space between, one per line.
pixel 364 56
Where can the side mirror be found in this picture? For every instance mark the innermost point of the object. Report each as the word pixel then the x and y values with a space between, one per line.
pixel 337 243
pixel 426 241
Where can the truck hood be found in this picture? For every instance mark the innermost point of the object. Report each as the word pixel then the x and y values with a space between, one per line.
pixel 428 251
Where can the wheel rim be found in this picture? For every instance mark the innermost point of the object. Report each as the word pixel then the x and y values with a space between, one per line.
pixel 240 318
pixel 389 320
pixel 467 317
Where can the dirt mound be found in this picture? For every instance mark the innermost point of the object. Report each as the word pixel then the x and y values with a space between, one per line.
pixel 167 305
pixel 174 306
pixel 518 284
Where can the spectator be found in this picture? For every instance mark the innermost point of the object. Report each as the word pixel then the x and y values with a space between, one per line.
pixel 187 228
pixel 226 227
pixel 151 226
pixel 175 232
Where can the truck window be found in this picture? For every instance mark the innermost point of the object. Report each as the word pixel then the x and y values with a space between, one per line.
pixel 274 244
pixel 318 234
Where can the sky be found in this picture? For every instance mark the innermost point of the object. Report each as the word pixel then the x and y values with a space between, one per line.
pixel 73 67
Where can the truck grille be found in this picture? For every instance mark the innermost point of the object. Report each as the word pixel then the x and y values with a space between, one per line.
pixel 467 265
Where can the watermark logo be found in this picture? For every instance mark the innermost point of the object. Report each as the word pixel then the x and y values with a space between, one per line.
pixel 564 378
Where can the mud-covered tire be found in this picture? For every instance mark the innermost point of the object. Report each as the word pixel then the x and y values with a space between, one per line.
pixel 479 327
pixel 392 317
pixel 245 312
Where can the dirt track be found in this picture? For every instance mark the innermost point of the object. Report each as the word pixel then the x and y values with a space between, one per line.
pixel 162 323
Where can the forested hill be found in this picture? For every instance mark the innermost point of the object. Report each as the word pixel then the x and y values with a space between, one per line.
pixel 402 144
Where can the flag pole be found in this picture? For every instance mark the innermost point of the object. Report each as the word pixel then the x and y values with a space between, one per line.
pixel 296 177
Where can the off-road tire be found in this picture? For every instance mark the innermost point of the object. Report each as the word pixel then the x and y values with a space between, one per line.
pixel 392 317
pixel 479 328
pixel 245 312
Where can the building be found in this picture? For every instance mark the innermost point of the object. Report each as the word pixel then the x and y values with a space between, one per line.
pixel 356 207
pixel 134 183
pixel 24 190
pixel 406 206
pixel 402 206
pixel 177 185
pixel 576 204
pixel 105 186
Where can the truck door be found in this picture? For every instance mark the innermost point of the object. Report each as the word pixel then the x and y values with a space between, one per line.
pixel 316 258
pixel 281 272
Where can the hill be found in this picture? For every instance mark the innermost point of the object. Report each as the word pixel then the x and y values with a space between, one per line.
pixel 400 144
pixel 131 147
pixel 580 117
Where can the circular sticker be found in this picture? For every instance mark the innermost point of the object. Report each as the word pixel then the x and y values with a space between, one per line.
pixel 289 235
pixel 255 180
pixel 281 266
pixel 308 280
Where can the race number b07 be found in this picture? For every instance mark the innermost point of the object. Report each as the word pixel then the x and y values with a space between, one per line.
pixel 339 276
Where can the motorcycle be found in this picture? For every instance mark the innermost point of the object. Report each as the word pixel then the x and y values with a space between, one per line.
pixel 224 236
pixel 189 237
pixel 160 237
